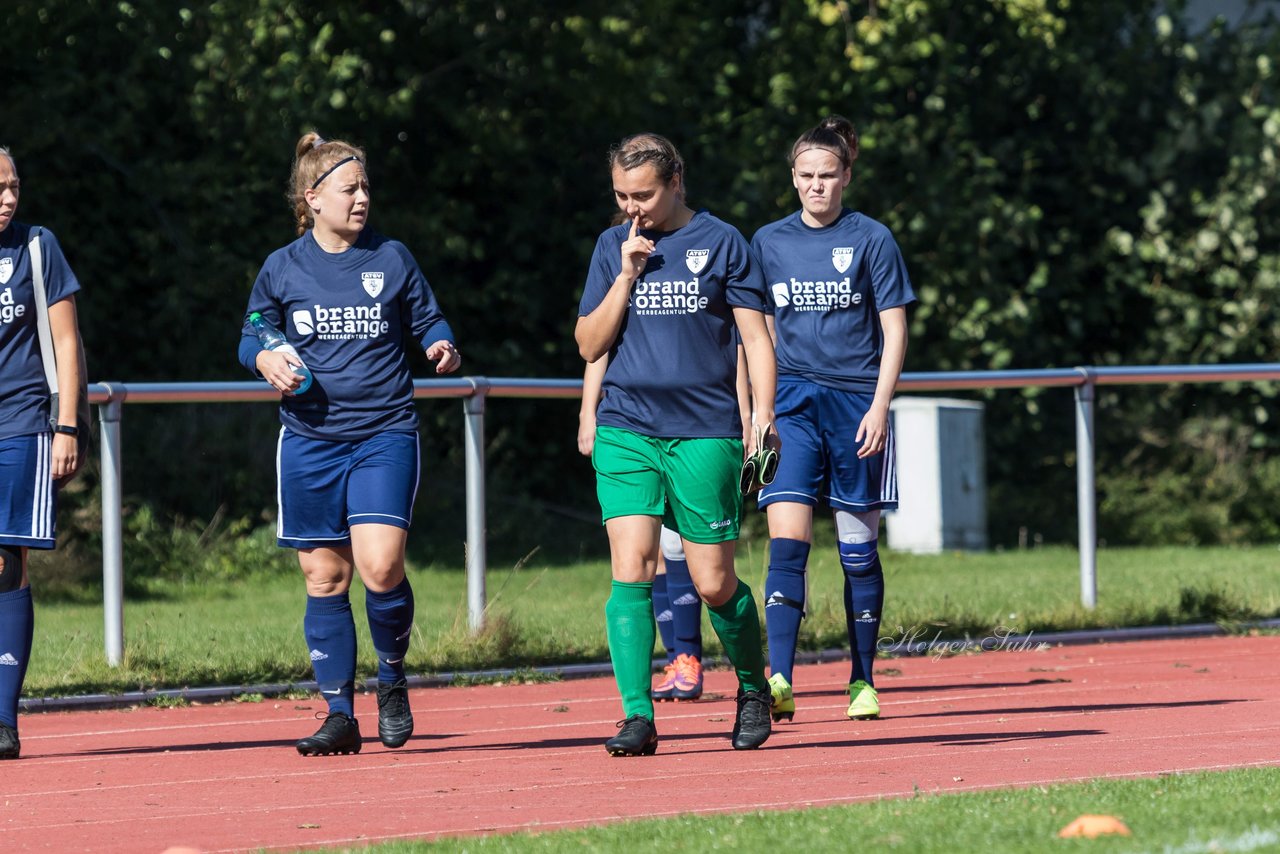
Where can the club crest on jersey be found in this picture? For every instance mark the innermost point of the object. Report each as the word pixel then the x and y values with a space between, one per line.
pixel 372 283
pixel 696 259
pixel 6 269
pixel 842 257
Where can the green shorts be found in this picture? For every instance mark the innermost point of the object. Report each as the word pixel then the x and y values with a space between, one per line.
pixel 691 483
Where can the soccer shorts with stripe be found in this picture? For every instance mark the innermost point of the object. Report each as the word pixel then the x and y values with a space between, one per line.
pixel 324 487
pixel 28 495
pixel 819 457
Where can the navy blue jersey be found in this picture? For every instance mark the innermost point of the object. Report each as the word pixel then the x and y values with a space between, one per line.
pixel 350 316
pixel 673 367
pixel 827 287
pixel 24 392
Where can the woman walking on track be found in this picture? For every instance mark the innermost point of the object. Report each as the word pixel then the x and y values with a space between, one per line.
pixel 349 301
pixel 838 291
pixel 662 297
pixel 34 453
pixel 676 607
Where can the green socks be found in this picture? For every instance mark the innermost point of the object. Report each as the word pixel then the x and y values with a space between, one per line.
pixel 628 617
pixel 737 624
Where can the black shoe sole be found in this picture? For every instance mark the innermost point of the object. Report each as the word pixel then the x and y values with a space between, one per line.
pixel 782 716
pixel 328 751
pixel 647 750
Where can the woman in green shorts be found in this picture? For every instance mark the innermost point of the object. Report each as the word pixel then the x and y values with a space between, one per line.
pixel 663 296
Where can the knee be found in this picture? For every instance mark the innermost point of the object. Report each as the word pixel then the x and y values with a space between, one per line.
pixel 716 591
pixel 11 566
pixel 860 560
pixel 382 576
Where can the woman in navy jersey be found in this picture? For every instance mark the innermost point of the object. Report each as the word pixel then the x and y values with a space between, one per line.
pixel 349 301
pixel 663 296
pixel 33 455
pixel 838 291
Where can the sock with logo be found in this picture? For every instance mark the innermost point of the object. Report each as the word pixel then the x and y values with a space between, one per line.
pixel 17 621
pixel 686 609
pixel 390 624
pixel 331 638
pixel 863 600
pixel 663 617
pixel 737 624
pixel 628 617
pixel 784 598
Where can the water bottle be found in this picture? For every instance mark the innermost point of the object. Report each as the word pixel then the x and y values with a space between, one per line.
pixel 273 339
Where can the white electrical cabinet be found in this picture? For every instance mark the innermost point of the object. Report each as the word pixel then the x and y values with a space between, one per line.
pixel 942 476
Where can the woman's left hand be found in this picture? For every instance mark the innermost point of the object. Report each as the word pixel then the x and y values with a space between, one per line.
pixel 873 432
pixel 449 359
pixel 65 456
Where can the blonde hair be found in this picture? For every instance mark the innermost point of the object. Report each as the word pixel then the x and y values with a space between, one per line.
pixel 314 157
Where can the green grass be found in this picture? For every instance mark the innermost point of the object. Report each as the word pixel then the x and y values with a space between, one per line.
pixel 224 631
pixel 1213 811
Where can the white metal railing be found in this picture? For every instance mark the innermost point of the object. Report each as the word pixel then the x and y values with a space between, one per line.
pixel 474 391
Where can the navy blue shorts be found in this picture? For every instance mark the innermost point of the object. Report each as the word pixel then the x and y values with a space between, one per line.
pixel 325 487
pixel 819 458
pixel 28 496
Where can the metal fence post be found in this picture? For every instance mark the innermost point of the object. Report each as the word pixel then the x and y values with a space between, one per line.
pixel 112 523
pixel 473 441
pixel 1086 493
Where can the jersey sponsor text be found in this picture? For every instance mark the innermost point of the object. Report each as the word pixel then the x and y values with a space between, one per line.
pixel 344 322
pixel 674 297
pixel 815 296
pixel 9 310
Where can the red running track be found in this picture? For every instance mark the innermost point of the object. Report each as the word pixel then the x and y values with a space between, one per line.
pixel 507 758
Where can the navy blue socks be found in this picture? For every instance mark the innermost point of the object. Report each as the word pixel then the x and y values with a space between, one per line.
pixel 784 602
pixel 331 640
pixel 390 625
pixel 863 600
pixel 663 617
pixel 17 620
pixel 686 609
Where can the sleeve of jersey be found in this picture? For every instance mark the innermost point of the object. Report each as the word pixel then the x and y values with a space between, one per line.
pixel 600 275
pixel 59 281
pixel 426 320
pixel 757 252
pixel 889 278
pixel 262 301
pixel 744 279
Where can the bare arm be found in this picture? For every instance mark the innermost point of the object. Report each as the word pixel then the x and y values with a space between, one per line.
pixel 873 432
pixel 762 367
pixel 596 332
pixel 66 351
pixel 744 396
pixel 592 378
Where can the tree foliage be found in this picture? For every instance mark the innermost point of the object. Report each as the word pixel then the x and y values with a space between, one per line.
pixel 1086 182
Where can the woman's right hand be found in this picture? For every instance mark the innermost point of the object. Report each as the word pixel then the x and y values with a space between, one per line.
pixel 277 370
pixel 636 250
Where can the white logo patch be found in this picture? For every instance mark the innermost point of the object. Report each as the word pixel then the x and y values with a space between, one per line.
pixel 696 259
pixel 781 294
pixel 842 257
pixel 317 655
pixel 8 659
pixel 302 322
pixel 373 283
pixel 6 269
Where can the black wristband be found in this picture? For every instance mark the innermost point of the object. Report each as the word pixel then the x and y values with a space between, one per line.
pixel 70 431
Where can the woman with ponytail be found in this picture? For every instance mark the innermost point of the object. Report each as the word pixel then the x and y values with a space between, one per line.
pixel 349 301
pixel 669 294
pixel 838 294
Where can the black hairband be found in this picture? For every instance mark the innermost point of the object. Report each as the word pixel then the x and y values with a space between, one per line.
pixel 329 171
